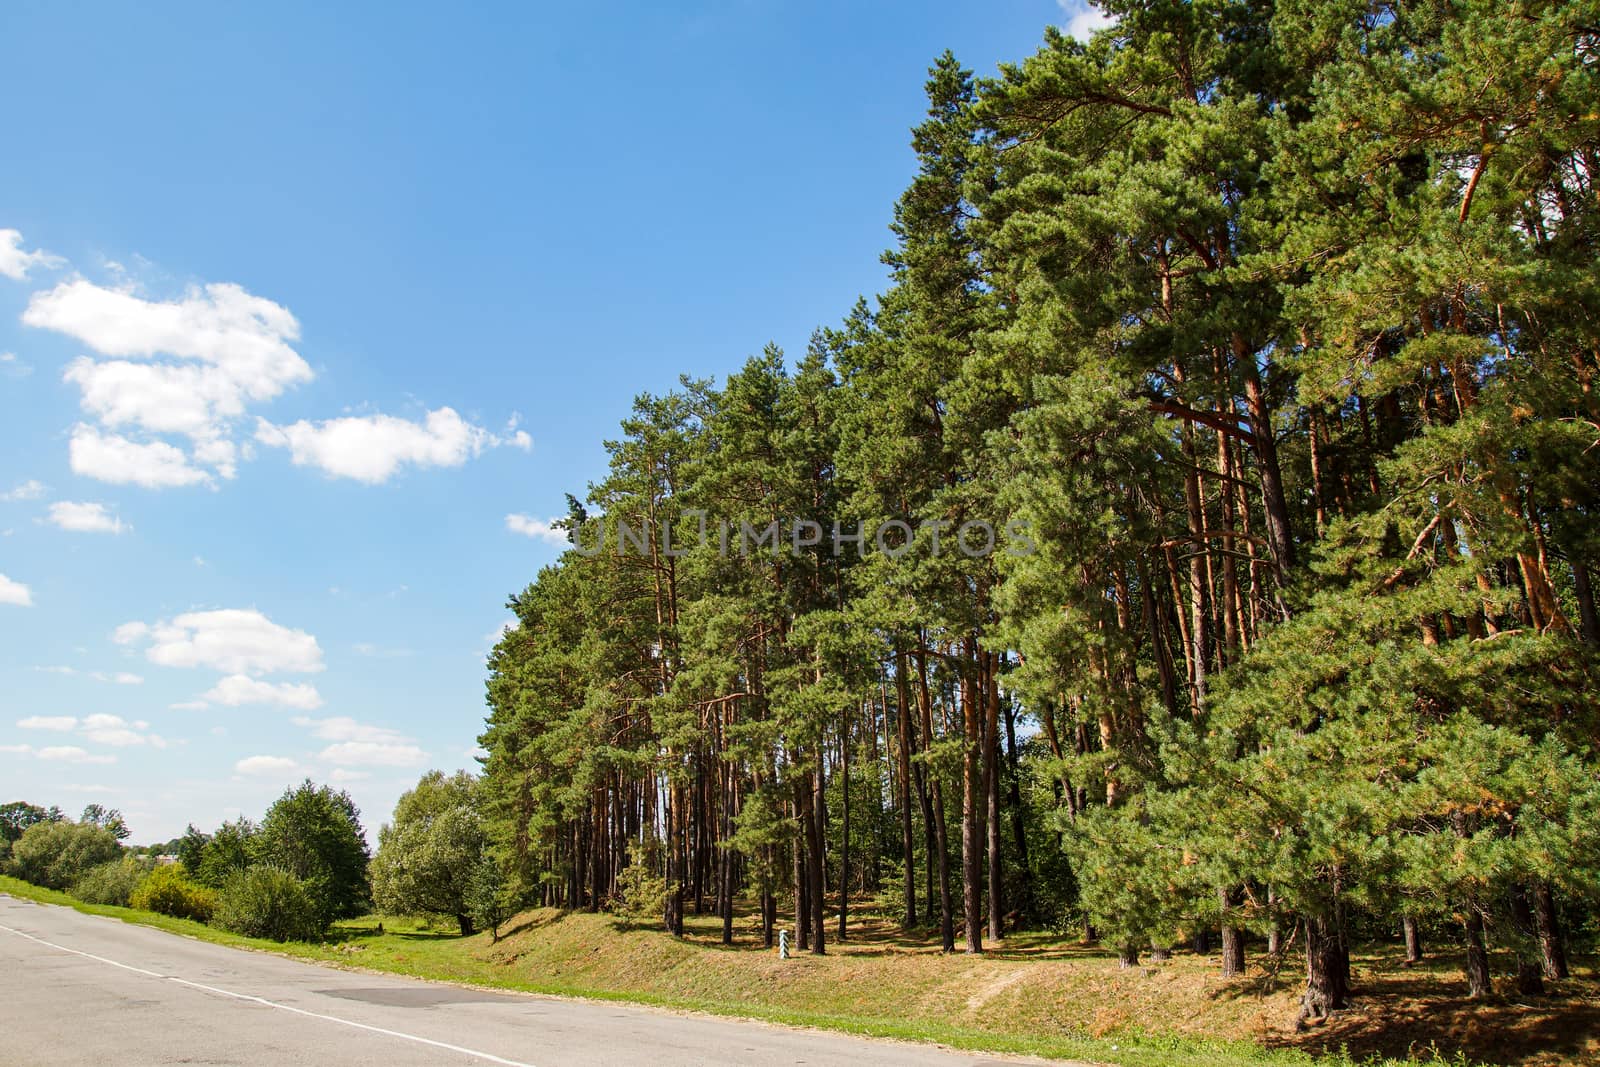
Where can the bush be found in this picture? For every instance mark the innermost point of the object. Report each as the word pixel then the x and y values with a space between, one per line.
pixel 111 883
pixel 315 834
pixel 56 854
pixel 490 898
pixel 168 891
pixel 267 902
pixel 641 894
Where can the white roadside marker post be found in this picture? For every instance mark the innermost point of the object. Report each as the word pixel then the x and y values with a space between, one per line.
pixel 783 944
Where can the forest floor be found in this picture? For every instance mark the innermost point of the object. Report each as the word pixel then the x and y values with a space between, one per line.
pixel 1030 994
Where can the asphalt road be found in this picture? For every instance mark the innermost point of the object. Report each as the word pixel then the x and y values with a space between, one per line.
pixel 82 990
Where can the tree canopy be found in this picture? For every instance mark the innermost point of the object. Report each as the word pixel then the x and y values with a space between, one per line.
pixel 1258 342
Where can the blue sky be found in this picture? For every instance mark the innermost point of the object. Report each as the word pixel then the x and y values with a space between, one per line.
pixel 300 303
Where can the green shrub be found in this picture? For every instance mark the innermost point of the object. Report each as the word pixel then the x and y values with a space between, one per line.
pixel 56 854
pixel 111 883
pixel 267 902
pixel 641 894
pixel 168 891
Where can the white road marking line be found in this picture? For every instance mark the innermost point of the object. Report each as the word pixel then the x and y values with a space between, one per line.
pixel 272 1004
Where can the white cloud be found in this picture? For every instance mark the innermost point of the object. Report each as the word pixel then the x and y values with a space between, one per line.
pixel 517 438
pixel 240 689
pixel 266 765
pixel 14 592
pixel 372 448
pixel 220 325
pixel 84 517
pixel 1083 19
pixel 538 529
pixel 28 490
pixel 228 349
pixel 118 677
pixel 121 461
pixel 344 728
pixel 48 722
pixel 374 754
pixel 191 368
pixel 363 744
pixel 71 754
pixel 18 750
pixel 339 774
pixel 112 730
pixel 12 367
pixel 231 640
pixel 57 670
pixel 191 705
pixel 15 263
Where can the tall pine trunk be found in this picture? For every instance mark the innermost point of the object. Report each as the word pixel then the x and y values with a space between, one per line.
pixel 971 801
pixel 815 830
pixel 1412 933
pixel 1232 936
pixel 1530 975
pixel 902 724
pixel 844 833
pixel 1553 955
pixel 1327 967
pixel 1476 963
pixel 991 782
pixel 947 930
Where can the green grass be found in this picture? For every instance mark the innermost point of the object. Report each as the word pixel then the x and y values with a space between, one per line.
pixel 1030 996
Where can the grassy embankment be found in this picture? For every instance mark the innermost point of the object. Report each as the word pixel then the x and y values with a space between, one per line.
pixel 1031 994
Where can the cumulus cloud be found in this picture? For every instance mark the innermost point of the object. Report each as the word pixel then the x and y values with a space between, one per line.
pixel 221 325
pixel 372 448
pixel 231 640
pixel 265 766
pixel 237 690
pixel 111 730
pixel 48 722
pixel 363 744
pixel 1083 18
pixel 118 732
pixel 113 458
pixel 167 382
pixel 118 677
pixel 15 263
pixel 538 529
pixel 14 592
pixel 188 367
pixel 28 490
pixel 84 518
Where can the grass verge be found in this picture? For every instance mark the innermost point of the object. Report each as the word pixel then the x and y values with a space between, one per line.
pixel 1028 996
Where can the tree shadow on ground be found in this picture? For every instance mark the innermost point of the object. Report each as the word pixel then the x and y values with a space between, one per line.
pixel 1399 1011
